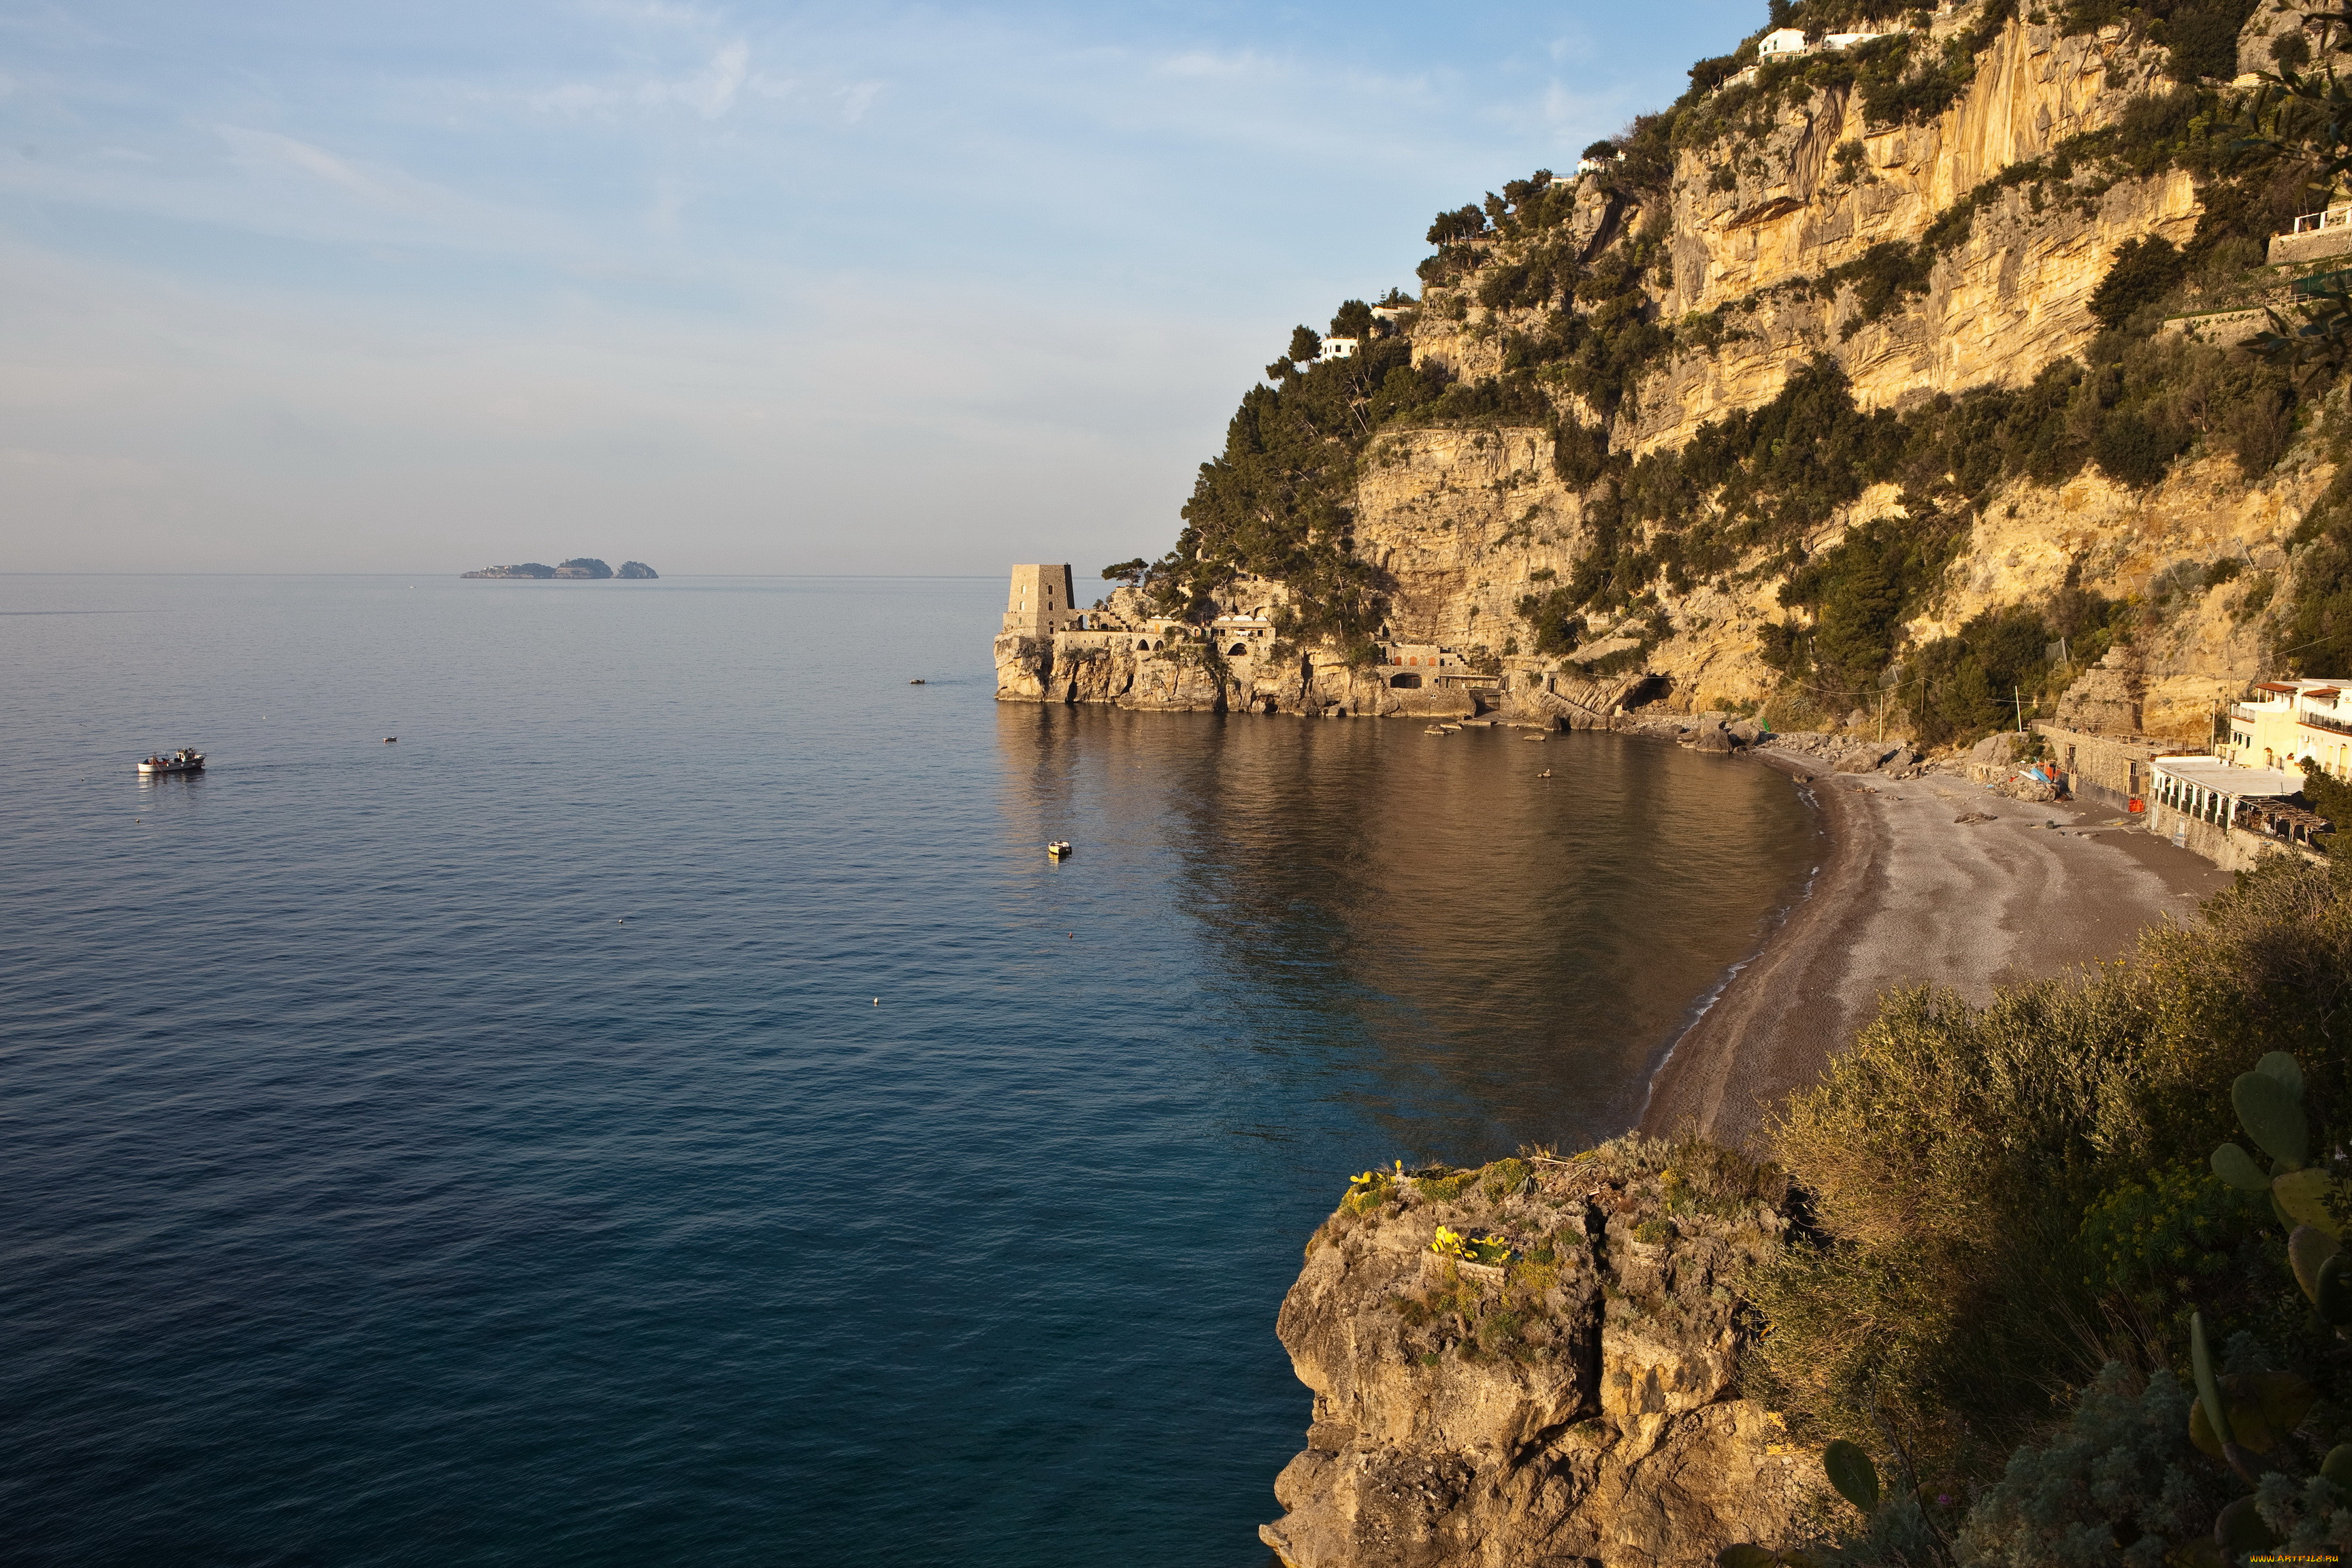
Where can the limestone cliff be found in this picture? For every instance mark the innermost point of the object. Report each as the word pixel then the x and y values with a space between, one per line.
pixel 1571 1401
pixel 1922 255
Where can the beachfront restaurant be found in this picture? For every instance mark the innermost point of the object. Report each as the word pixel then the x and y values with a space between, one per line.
pixel 2249 800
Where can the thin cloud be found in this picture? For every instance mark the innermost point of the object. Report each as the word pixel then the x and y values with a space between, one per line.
pixel 710 92
pixel 1246 66
pixel 269 148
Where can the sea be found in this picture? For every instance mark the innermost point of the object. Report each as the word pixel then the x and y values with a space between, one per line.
pixel 606 1072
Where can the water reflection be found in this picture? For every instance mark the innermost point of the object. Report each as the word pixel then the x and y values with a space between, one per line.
pixel 1473 955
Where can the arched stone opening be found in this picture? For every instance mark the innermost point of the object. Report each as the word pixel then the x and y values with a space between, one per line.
pixel 1405 682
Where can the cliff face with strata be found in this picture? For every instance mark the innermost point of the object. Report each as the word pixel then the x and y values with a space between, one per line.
pixel 1573 1402
pixel 1462 523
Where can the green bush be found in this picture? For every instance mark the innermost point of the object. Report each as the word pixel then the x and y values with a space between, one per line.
pixel 1984 679
pixel 2332 798
pixel 2159 1241
pixel 1955 1153
pixel 2143 272
pixel 2118 1483
pixel 2135 449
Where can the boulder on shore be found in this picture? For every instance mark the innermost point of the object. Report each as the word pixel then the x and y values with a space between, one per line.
pixel 1709 735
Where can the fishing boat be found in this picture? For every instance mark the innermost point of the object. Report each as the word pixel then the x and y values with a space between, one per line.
pixel 1058 848
pixel 183 761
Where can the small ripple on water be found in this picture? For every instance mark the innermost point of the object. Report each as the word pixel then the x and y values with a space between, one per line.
pixel 379 1198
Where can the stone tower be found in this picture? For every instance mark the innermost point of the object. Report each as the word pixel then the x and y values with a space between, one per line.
pixel 1039 603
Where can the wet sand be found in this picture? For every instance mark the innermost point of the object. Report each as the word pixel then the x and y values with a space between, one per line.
pixel 1906 894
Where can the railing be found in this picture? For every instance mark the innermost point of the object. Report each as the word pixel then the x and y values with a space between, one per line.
pixel 2317 722
pixel 2339 216
pixel 2240 711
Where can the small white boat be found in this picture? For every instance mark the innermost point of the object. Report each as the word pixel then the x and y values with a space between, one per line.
pixel 1058 849
pixel 183 761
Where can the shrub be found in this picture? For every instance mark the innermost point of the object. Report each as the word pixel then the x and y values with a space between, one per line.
pixel 2119 1482
pixel 2135 449
pixel 1958 687
pixel 1955 1153
pixel 2143 271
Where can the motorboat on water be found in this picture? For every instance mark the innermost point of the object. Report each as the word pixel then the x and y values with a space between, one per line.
pixel 183 761
pixel 1058 848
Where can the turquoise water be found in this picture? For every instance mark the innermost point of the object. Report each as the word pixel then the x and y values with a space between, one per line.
pixel 666 1108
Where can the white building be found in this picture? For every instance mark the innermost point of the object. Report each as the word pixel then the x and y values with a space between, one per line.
pixel 2187 792
pixel 1782 42
pixel 1338 348
pixel 1848 40
pixel 2295 725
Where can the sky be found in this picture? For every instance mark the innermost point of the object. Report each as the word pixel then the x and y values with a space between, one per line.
pixel 724 288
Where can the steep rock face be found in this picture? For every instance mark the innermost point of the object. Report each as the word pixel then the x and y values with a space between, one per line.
pixel 1792 214
pixel 1466 523
pixel 2013 298
pixel 1465 520
pixel 1573 1405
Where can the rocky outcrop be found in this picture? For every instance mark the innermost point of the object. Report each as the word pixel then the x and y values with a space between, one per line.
pixel 1570 1402
pixel 579 568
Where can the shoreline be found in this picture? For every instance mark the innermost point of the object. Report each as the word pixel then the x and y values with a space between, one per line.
pixel 1904 894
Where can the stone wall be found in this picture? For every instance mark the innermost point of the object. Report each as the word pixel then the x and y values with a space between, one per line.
pixel 2105 770
pixel 2231 848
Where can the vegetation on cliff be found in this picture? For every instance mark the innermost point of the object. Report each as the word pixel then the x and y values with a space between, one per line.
pixel 1563 281
pixel 2008 1199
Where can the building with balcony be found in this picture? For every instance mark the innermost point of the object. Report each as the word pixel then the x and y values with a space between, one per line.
pixel 2232 815
pixel 2293 725
pixel 2315 235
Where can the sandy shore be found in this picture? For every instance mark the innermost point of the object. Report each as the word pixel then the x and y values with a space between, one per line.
pixel 1906 894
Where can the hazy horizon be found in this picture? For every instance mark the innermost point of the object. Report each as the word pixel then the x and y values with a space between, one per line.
pixel 753 290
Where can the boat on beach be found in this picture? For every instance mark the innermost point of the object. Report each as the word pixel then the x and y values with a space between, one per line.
pixel 183 761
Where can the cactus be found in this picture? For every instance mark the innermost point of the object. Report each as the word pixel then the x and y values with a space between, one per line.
pixel 2262 1407
pixel 2302 1196
pixel 2332 1292
pixel 2209 1400
pixel 2306 1249
pixel 2337 1466
pixel 1852 1473
pixel 2272 1113
pixel 2269 1103
pixel 2237 1167
pixel 1746 1556
pixel 2283 1068
pixel 2239 1530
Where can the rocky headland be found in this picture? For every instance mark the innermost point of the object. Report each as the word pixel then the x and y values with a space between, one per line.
pixel 1571 1401
pixel 1891 387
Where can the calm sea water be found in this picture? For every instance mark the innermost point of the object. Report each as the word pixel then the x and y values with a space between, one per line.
pixel 668 1109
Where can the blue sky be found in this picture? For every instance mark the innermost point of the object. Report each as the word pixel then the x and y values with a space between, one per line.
pixel 724 288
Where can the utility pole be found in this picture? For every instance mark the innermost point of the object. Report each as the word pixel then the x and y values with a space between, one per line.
pixel 2019 693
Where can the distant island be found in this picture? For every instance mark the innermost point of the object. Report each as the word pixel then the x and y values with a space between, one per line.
pixel 585 567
